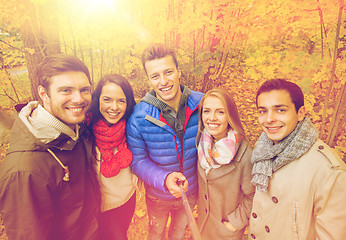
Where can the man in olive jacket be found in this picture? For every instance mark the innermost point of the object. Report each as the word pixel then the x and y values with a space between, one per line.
pixel 47 187
pixel 300 182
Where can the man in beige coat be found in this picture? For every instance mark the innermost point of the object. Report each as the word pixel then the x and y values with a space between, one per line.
pixel 300 182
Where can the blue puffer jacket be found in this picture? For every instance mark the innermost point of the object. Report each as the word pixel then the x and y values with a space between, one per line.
pixel 157 150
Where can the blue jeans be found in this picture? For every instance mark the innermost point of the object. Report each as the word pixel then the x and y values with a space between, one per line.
pixel 159 210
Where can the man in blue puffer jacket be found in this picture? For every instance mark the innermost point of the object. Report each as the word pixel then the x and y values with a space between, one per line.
pixel 161 134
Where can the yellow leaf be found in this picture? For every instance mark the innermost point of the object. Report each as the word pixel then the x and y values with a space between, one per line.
pixel 140 213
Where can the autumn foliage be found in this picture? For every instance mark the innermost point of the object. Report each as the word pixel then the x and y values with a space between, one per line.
pixel 234 44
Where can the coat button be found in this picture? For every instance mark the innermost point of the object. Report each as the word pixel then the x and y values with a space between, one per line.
pixel 254 215
pixel 206 211
pixel 275 200
pixel 253 236
pixel 267 229
pixel 205 196
pixel 321 147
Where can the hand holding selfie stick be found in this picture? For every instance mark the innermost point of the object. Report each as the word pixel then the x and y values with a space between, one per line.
pixel 190 219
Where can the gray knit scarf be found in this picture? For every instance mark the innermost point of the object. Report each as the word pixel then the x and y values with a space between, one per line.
pixel 268 158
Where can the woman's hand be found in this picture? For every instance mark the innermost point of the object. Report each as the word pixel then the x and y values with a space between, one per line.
pixel 229 226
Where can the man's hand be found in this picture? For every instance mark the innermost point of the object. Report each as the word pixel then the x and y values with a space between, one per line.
pixel 172 183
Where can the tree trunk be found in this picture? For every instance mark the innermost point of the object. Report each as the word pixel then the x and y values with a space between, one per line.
pixel 333 68
pixel 39 33
pixel 92 65
pixel 339 111
pixel 101 66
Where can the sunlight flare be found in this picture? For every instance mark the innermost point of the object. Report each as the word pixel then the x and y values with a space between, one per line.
pixel 97 5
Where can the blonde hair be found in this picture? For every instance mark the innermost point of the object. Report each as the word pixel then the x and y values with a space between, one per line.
pixel 231 110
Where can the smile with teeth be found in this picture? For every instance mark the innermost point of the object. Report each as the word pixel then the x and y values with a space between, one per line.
pixel 113 114
pixel 75 109
pixel 166 89
pixel 273 129
pixel 213 125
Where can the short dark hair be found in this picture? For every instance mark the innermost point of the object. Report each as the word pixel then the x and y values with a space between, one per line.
pixel 156 51
pixel 293 89
pixel 125 86
pixel 57 64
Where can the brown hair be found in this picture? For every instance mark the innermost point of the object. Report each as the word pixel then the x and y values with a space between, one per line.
pixel 231 110
pixel 125 86
pixel 156 51
pixel 56 64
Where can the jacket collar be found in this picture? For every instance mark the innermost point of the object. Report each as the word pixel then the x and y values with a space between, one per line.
pixel 42 124
pixel 153 100
pixel 36 135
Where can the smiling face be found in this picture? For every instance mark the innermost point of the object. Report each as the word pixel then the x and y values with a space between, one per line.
pixel 277 114
pixel 163 76
pixel 68 97
pixel 112 103
pixel 214 117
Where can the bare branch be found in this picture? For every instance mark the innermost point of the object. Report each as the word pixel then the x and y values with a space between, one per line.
pixel 24 51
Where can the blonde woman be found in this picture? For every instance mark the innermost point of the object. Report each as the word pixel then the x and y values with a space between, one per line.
pixel 224 169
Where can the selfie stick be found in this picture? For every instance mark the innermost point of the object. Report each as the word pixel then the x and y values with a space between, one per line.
pixel 190 219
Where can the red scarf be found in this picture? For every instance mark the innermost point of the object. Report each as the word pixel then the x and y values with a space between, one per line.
pixel 107 138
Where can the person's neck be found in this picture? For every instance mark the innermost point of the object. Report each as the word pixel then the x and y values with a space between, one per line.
pixel 174 103
pixel 72 126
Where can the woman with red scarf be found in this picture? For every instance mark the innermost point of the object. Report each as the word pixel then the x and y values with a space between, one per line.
pixel 112 104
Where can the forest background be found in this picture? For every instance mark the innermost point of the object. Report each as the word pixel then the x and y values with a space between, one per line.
pixel 233 44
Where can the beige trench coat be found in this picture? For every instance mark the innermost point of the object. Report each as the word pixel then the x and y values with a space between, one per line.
pixel 226 192
pixel 306 199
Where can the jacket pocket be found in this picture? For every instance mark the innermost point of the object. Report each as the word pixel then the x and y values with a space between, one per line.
pixel 226 233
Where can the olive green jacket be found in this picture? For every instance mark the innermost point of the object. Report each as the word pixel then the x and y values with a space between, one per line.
pixel 36 202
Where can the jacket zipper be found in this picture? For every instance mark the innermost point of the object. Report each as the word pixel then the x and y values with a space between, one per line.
pixel 188 114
